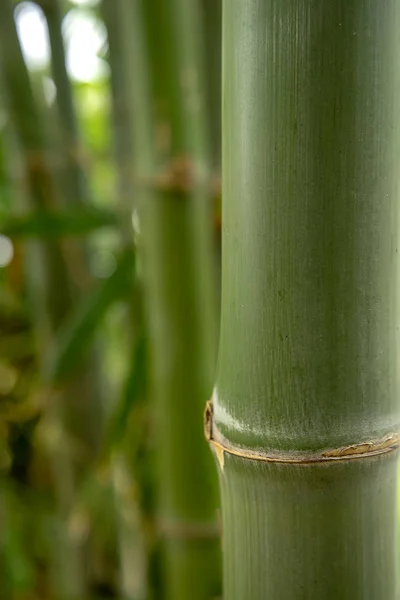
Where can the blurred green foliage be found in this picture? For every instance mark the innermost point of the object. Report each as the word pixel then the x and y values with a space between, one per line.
pixel 28 512
pixel 108 320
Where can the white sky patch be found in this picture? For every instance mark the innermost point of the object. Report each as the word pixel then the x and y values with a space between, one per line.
pixel 88 3
pixel 85 36
pixel 6 251
pixel 32 32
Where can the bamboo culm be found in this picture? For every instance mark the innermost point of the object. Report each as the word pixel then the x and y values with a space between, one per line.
pixel 172 171
pixel 134 546
pixel 305 412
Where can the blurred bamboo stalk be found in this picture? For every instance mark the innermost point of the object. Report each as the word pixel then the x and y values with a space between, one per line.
pixel 117 17
pixel 212 15
pixel 172 167
pixel 75 179
pixel 122 101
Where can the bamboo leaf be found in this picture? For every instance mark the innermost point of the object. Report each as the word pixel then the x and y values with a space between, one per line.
pixel 79 331
pixel 131 394
pixel 75 221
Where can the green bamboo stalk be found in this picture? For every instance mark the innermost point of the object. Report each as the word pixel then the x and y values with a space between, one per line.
pixel 171 158
pixel 133 559
pixel 73 188
pixel 75 179
pixel 130 535
pixel 212 12
pixel 118 18
pixel 305 409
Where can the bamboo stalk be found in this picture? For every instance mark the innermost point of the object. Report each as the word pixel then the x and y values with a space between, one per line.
pixel 171 157
pixel 305 412
pixel 212 12
pixel 75 180
pixel 134 545
pixel 117 18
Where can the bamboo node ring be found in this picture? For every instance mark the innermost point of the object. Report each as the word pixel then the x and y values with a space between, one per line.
pixel 365 449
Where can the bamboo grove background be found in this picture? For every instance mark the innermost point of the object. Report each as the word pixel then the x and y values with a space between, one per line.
pixel 109 301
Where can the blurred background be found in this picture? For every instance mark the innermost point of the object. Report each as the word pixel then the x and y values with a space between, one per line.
pixel 109 298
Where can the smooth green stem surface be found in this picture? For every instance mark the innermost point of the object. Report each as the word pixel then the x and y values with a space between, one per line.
pixel 311 310
pixel 295 532
pixel 309 347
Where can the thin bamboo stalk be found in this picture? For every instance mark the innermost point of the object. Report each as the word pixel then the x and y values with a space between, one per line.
pixel 171 156
pixel 75 179
pixel 212 12
pixel 305 412
pixel 118 17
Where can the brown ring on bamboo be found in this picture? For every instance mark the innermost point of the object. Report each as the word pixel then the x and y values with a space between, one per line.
pixel 188 530
pixel 367 449
pixel 178 176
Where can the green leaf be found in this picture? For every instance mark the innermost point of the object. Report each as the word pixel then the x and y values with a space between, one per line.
pixel 80 329
pixel 131 394
pixel 75 221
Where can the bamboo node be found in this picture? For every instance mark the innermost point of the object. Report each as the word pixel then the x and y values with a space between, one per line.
pixel 178 176
pixel 208 432
pixel 220 446
pixel 189 530
pixel 208 420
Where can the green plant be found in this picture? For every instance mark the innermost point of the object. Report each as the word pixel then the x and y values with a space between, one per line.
pixel 304 418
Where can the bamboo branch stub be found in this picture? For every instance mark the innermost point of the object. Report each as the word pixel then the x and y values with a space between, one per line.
pixel 365 449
